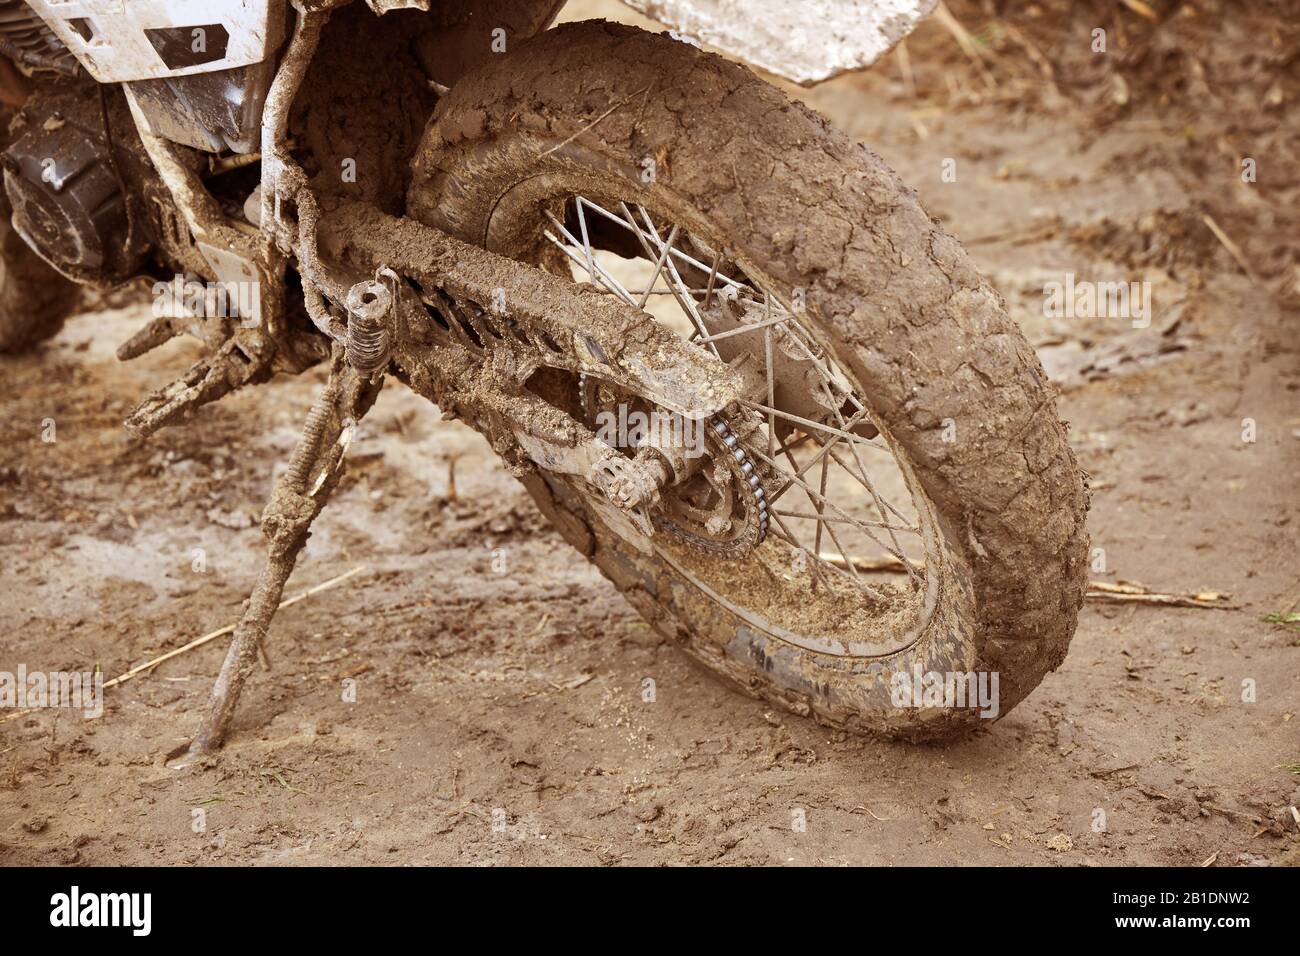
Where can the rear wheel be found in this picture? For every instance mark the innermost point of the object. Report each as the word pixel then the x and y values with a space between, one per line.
pixel 896 421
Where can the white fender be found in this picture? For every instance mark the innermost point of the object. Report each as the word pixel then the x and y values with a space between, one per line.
pixel 806 41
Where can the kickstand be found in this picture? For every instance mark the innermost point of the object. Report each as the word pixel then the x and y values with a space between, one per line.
pixel 300 495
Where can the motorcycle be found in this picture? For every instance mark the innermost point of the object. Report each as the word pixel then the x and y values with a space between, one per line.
pixel 728 354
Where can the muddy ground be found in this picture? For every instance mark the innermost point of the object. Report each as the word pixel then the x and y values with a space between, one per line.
pixel 509 690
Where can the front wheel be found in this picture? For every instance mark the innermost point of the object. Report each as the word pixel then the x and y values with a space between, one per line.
pixel 888 531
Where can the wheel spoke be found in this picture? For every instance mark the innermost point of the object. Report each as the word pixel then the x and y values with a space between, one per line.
pixel 911 573
pixel 845 465
pixel 870 532
pixel 789 352
pixel 826 450
pixel 592 267
pixel 586 240
pixel 807 423
pixel 848 562
pixel 824 517
pixel 821 514
pixel 674 280
pixel 713 277
pixel 659 268
pixel 752 327
pixel 816 564
pixel 771 391
pixel 630 224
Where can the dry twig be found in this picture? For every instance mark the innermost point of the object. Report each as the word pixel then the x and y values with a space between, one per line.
pixel 148 666
pixel 1119 593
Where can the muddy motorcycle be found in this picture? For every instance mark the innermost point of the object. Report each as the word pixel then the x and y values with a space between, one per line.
pixel 726 351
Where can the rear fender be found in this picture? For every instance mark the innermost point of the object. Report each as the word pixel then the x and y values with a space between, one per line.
pixel 805 42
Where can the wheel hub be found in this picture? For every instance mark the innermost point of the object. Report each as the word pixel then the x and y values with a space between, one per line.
pixel 693 480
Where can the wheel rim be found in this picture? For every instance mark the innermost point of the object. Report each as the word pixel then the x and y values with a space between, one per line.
pixel 828 495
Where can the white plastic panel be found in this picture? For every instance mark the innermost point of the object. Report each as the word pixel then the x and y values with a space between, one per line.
pixel 119 49
pixel 806 41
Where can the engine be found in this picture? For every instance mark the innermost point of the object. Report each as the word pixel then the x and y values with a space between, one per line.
pixel 67 201
pixel 25 39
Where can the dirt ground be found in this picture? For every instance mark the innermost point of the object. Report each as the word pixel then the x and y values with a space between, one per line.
pixel 498 713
